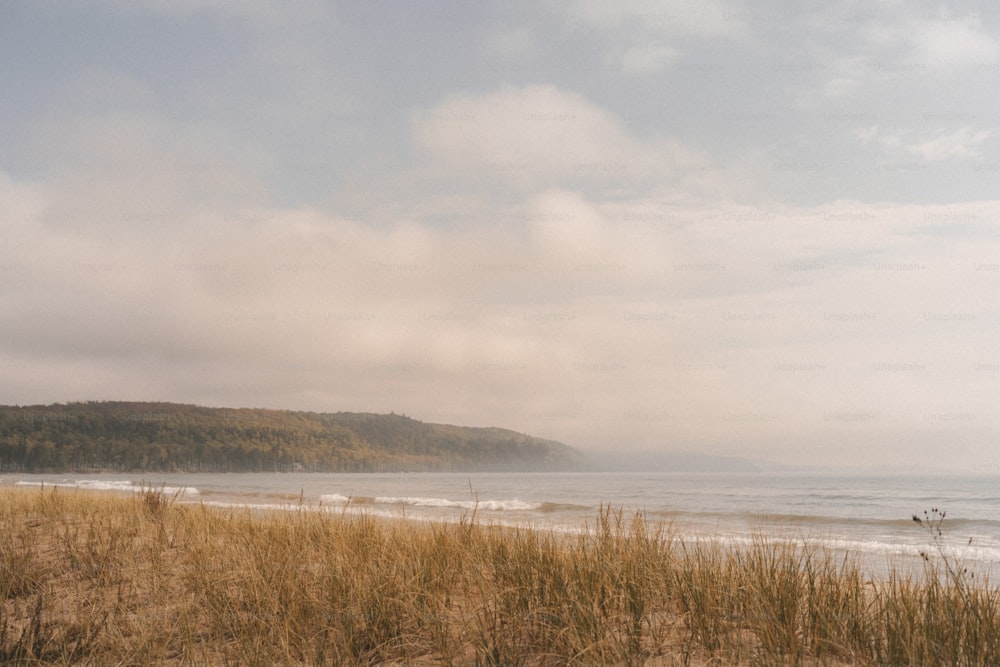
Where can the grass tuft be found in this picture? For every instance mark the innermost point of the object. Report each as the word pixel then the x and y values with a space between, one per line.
pixel 103 579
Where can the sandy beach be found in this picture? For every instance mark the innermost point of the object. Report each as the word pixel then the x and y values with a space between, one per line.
pixel 99 578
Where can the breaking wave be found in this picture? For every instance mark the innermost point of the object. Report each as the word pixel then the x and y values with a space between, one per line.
pixel 114 485
pixel 442 503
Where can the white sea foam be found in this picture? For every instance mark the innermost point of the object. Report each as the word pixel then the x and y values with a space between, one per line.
pixel 120 485
pixel 334 498
pixel 282 507
pixel 444 503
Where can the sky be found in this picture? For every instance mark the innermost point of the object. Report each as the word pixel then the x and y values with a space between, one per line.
pixel 766 230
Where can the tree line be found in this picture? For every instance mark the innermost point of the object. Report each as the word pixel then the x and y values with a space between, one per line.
pixel 131 436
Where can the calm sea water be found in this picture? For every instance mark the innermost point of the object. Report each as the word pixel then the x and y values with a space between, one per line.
pixel 869 516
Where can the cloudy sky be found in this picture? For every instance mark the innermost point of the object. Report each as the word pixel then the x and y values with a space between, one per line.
pixel 642 225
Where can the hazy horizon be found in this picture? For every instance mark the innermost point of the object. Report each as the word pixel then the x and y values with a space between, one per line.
pixel 646 227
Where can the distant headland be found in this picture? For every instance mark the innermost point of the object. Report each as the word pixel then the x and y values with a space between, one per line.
pixel 142 436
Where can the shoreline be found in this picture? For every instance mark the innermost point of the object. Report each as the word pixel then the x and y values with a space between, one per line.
pixel 103 577
pixel 877 558
pixel 877 554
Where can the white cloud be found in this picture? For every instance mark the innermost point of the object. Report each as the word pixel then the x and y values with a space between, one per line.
pixel 946 42
pixel 647 58
pixel 597 259
pixel 875 134
pixel 540 136
pixel 664 17
pixel 259 11
pixel 642 37
pixel 942 145
pixel 939 42
pixel 960 143
pixel 584 312
pixel 517 45
pixel 537 126
pixel 840 87
pixel 867 134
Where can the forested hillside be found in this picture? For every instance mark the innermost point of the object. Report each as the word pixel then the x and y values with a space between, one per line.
pixel 174 437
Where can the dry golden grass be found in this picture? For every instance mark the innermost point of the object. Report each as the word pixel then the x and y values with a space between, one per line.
pixel 90 578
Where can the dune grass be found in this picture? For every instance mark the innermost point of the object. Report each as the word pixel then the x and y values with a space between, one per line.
pixel 103 579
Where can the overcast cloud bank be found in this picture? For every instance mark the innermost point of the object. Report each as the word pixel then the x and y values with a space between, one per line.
pixel 645 227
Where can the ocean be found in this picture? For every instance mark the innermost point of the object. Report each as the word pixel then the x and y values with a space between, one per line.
pixel 869 516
